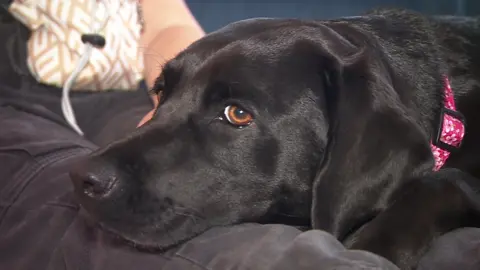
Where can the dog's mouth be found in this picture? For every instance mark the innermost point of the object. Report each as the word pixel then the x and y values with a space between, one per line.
pixel 350 237
pixel 136 243
pixel 153 236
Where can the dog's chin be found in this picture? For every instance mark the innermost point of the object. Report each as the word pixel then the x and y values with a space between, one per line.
pixel 150 242
pixel 154 237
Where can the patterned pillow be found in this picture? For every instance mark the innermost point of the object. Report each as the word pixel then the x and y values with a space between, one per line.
pixel 55 47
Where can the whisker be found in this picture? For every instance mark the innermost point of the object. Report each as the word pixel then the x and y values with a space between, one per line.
pixel 193 218
pixel 189 210
pixel 185 212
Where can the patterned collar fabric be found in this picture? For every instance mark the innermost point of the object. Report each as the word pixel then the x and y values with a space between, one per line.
pixel 452 129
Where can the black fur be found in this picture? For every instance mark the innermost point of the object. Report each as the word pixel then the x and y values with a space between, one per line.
pixel 344 111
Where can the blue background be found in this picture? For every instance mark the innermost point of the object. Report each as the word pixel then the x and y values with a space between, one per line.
pixel 215 14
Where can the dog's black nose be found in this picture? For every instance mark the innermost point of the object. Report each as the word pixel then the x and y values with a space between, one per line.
pixel 94 180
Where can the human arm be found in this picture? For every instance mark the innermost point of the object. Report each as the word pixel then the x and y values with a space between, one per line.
pixel 168 28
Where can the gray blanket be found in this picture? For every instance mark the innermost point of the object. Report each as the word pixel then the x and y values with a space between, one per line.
pixel 278 247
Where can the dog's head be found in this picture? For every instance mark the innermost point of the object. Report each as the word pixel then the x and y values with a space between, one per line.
pixel 253 118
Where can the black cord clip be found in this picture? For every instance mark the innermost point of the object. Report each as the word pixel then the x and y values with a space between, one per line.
pixel 95 40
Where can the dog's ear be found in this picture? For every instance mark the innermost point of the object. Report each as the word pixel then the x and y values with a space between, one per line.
pixel 373 140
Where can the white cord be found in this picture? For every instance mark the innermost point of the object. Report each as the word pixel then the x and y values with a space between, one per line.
pixel 67 109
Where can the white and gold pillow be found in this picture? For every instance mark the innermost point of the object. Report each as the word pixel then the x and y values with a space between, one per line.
pixel 55 46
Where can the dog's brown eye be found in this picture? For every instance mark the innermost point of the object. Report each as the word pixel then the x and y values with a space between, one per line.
pixel 237 116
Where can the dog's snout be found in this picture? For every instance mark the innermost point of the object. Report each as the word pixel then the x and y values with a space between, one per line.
pixel 94 181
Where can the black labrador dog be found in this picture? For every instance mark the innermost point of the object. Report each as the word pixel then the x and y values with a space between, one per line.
pixel 328 124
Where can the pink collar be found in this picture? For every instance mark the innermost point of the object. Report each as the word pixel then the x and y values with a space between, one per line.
pixel 451 132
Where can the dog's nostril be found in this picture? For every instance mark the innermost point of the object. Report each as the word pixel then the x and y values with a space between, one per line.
pixel 95 179
pixel 93 186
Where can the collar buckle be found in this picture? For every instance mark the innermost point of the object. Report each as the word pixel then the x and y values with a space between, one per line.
pixel 444 112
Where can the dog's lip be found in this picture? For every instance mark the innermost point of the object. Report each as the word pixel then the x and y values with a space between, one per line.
pixel 119 235
pixel 358 227
pixel 140 238
pixel 137 244
pixel 144 242
pixel 351 236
